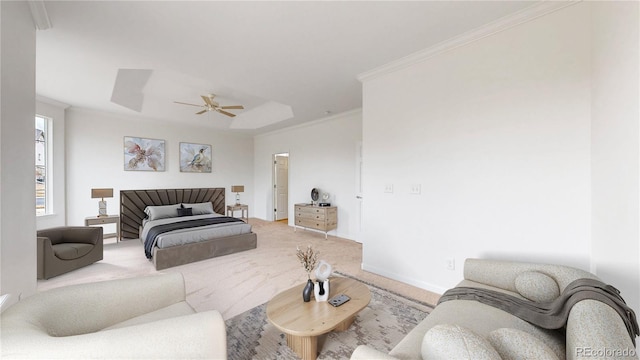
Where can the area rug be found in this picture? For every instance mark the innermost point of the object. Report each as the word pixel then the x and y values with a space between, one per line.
pixel 381 325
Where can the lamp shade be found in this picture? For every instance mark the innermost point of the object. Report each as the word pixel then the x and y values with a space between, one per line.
pixel 237 188
pixel 101 193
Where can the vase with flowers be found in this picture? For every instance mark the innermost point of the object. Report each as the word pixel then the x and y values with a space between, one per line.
pixel 308 258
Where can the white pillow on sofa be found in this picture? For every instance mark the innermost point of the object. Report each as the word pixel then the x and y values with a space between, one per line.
pixel 537 286
pixel 450 341
pixel 155 212
pixel 514 344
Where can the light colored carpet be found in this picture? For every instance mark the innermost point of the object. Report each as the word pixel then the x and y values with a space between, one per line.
pixel 381 325
pixel 235 283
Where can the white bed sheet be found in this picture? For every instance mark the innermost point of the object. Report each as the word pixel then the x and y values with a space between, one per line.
pixel 193 235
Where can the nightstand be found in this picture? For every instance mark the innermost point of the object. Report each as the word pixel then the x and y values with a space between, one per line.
pixel 242 208
pixel 101 220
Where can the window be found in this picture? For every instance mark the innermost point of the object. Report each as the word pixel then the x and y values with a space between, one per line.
pixel 42 166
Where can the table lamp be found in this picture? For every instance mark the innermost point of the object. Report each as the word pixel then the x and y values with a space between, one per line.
pixel 237 189
pixel 101 194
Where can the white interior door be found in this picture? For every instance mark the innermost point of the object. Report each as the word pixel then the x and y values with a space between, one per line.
pixel 359 199
pixel 281 186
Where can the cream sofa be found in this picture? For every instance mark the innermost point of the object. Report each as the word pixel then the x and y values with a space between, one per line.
pixel 469 329
pixel 136 318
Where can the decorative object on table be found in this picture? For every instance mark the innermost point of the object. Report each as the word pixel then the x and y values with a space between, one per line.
pixel 101 194
pixel 323 271
pixel 308 258
pixel 237 189
pixel 315 195
pixel 195 158
pixel 325 200
pixel 143 154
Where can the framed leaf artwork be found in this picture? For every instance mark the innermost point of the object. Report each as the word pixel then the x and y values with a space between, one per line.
pixel 142 154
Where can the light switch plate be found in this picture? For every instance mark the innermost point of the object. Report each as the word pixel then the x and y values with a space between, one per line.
pixel 388 188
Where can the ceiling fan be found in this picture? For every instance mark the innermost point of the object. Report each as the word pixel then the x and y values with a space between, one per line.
pixel 210 105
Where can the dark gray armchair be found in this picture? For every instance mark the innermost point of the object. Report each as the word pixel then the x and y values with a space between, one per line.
pixel 67 248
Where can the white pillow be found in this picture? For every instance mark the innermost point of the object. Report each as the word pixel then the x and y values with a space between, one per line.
pixel 514 344
pixel 450 341
pixel 200 208
pixel 537 286
pixel 161 211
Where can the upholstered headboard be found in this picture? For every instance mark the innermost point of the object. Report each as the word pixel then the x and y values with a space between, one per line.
pixel 133 203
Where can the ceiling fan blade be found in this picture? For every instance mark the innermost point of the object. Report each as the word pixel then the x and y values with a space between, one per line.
pixel 202 112
pixel 178 102
pixel 240 107
pixel 208 99
pixel 226 113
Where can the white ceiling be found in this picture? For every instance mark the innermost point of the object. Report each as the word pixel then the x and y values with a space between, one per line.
pixel 286 62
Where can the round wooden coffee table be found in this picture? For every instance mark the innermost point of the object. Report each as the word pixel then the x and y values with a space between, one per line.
pixel 302 322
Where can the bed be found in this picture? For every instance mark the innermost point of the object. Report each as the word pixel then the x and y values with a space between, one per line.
pixel 208 243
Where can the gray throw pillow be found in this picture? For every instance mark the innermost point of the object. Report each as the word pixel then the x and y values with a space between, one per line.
pixel 161 211
pixel 200 208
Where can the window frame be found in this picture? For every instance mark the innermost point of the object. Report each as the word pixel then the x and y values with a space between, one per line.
pixel 47 160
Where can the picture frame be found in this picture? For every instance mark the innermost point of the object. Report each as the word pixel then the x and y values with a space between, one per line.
pixel 143 154
pixel 195 158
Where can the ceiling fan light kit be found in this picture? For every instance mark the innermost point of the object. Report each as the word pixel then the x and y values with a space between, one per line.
pixel 210 105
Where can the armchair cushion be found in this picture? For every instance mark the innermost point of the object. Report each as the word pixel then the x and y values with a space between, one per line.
pixel 514 344
pixel 144 318
pixel 70 251
pixel 450 341
pixel 537 286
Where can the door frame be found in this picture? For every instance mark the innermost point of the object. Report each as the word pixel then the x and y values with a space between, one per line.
pixel 274 194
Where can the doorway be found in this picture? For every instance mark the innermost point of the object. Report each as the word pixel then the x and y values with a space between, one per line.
pixel 358 191
pixel 280 186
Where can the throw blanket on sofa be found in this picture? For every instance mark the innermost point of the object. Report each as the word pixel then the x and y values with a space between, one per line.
pixel 150 239
pixel 554 314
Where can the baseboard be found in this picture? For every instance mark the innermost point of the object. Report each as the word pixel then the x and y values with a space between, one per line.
pixel 330 233
pixel 407 280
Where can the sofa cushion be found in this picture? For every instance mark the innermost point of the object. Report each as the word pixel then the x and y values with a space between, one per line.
pixel 537 286
pixel 514 344
pixel 175 310
pixel 450 341
pixel 480 318
pixel 71 251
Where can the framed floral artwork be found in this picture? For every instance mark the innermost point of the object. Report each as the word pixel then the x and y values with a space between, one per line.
pixel 142 154
pixel 195 158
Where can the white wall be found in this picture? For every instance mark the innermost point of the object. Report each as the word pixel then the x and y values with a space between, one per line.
pixel 322 155
pixel 17 161
pixel 616 146
pixel 95 158
pixel 55 111
pixel 497 132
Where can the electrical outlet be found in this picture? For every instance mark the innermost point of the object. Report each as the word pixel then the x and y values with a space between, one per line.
pixel 388 188
pixel 416 188
pixel 451 263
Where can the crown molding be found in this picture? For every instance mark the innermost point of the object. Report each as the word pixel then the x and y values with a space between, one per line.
pixel 56 103
pixel 312 123
pixel 39 14
pixel 525 15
